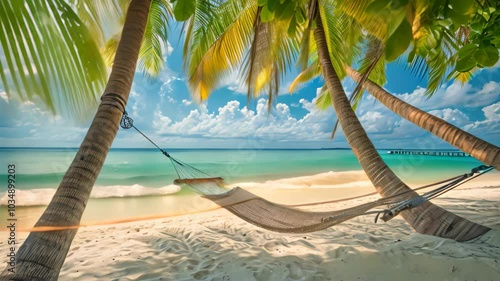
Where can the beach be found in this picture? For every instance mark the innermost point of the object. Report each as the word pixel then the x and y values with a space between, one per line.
pixel 139 226
pixel 138 183
pixel 213 244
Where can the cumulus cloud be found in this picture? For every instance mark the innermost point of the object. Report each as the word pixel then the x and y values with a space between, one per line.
pixel 453 116
pixel 455 94
pixel 187 102
pixel 235 121
pixel 233 83
pixel 492 122
pixel 376 122
pixel 31 125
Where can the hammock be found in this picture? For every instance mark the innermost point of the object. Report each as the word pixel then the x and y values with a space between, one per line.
pixel 288 219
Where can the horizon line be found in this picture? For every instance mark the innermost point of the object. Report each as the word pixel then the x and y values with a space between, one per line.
pixel 229 148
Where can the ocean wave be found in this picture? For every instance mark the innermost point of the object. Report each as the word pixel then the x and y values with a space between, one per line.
pixel 37 197
pixel 330 179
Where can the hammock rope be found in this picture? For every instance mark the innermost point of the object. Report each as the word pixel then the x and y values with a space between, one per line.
pixel 184 171
pixel 286 218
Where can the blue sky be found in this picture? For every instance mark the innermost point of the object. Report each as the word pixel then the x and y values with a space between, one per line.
pixel 164 109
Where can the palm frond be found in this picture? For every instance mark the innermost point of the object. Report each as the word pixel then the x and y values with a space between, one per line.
pixel 50 55
pixel 373 67
pixel 312 71
pixel 367 68
pixel 218 38
pixel 418 67
pixel 154 45
pixel 305 47
pixel 438 67
pixel 356 9
pixel 109 50
pixel 256 69
pixel 230 35
pixel 337 48
pixel 324 100
pixel 270 56
pixel 97 14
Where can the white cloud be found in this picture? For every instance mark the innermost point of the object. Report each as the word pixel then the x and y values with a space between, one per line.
pixel 137 105
pixel 187 102
pixel 234 121
pixel 492 112
pixel 169 48
pixel 31 125
pixel 455 94
pixel 171 100
pixel 453 116
pixel 3 95
pixel 234 83
pixel 160 121
pixel 491 124
pixel 376 122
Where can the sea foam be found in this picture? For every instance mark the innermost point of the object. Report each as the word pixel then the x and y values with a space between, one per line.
pixel 36 197
pixel 330 179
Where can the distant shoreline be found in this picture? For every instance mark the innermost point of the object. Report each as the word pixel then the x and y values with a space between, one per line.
pixel 191 148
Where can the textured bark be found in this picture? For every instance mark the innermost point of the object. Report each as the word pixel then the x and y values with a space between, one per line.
pixel 482 150
pixel 43 253
pixel 427 218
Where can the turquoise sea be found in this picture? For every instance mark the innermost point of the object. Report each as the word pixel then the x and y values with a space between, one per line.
pixel 142 178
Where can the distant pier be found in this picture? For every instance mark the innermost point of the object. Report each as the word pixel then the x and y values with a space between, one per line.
pixel 428 153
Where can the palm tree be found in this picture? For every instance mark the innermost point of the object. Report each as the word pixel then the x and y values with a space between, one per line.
pixel 426 218
pixel 480 149
pixel 242 30
pixel 372 68
pixel 42 254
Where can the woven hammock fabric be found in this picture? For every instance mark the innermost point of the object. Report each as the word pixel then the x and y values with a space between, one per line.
pixel 268 215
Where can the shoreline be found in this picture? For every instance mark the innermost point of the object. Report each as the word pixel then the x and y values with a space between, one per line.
pixel 216 245
pixel 288 191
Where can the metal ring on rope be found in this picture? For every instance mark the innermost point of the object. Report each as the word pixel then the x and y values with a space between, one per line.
pixel 126 122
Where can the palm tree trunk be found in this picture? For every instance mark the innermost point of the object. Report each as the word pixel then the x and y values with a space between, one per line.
pixel 43 253
pixel 482 150
pixel 427 218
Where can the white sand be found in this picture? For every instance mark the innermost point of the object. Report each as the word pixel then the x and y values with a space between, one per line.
pixel 215 245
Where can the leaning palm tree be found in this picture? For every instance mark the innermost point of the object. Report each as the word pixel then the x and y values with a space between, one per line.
pixel 42 254
pixel 480 149
pixel 426 218
pixel 249 32
pixel 428 55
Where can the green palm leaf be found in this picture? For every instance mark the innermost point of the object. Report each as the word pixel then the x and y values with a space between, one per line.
pixel 154 44
pixel 218 36
pixel 97 15
pixel 312 71
pixel 153 48
pixel 372 67
pixel 49 55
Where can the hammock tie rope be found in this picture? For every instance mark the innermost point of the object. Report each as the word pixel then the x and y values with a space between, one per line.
pixel 285 218
pixel 184 171
pixel 415 201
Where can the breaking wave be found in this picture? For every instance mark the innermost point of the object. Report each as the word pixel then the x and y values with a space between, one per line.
pixel 346 179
